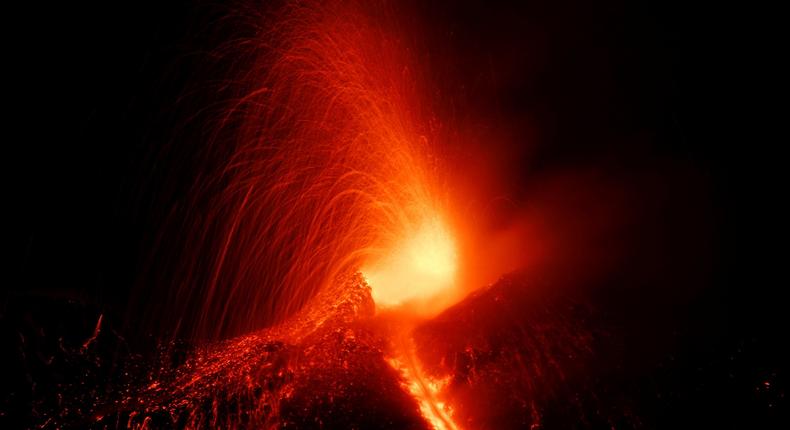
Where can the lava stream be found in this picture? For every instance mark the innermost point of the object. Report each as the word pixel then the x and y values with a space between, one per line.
pixel 425 390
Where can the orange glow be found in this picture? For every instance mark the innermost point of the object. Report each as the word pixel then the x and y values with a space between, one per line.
pixel 421 266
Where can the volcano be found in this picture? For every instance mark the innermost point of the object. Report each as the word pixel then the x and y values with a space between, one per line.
pixel 386 214
pixel 507 356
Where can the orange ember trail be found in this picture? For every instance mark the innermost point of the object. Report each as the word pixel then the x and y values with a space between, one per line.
pixel 334 168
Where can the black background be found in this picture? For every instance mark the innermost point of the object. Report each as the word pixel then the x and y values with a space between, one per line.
pixel 96 88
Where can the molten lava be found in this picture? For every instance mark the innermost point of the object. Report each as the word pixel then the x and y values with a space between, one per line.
pixel 427 390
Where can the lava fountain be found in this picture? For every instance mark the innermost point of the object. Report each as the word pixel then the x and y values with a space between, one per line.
pixel 330 163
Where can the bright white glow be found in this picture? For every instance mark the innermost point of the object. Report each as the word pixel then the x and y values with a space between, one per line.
pixel 420 267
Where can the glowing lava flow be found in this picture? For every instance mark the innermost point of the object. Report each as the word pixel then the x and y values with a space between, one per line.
pixel 426 390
